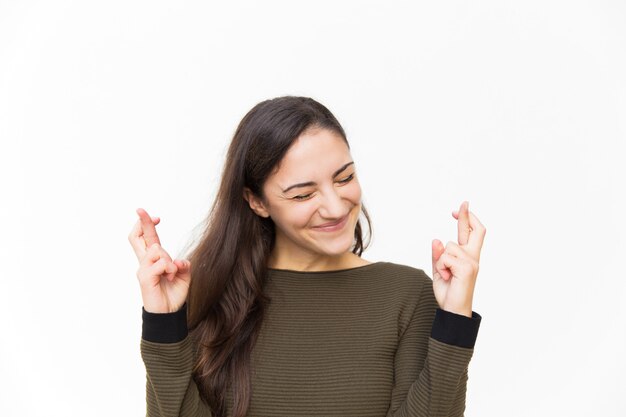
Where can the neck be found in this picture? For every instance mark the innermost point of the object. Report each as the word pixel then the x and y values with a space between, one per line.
pixel 313 262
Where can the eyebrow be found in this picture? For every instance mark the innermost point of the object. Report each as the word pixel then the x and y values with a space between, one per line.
pixel 309 183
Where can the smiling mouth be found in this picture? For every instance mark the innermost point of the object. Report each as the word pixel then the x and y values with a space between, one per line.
pixel 333 226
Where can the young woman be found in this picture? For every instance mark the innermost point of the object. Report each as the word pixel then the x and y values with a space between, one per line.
pixel 274 312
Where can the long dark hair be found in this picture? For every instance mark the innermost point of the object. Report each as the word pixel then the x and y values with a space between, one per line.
pixel 226 301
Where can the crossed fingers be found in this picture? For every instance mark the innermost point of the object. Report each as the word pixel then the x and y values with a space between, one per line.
pixel 143 234
pixel 471 232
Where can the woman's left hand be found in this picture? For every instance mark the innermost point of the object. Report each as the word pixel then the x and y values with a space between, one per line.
pixel 455 267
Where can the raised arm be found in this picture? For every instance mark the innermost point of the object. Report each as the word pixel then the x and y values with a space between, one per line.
pixel 167 352
pixel 432 361
pixel 433 355
pixel 166 347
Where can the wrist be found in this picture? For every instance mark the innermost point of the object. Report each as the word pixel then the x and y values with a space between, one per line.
pixel 165 327
pixel 455 329
pixel 461 310
pixel 156 305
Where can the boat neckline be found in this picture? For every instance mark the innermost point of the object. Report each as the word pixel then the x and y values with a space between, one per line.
pixel 329 271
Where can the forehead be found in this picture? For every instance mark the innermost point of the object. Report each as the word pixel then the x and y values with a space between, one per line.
pixel 314 155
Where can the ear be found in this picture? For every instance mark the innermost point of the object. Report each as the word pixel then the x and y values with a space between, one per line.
pixel 255 203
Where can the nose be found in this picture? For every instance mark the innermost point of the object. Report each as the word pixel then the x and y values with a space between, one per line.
pixel 331 206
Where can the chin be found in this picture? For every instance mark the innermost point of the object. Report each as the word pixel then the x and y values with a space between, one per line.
pixel 339 245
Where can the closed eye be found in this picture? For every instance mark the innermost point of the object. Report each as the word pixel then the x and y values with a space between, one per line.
pixel 347 179
pixel 301 197
pixel 306 196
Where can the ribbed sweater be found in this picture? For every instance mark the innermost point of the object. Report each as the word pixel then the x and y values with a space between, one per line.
pixel 364 341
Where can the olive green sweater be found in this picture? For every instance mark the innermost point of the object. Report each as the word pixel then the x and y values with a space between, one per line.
pixel 364 341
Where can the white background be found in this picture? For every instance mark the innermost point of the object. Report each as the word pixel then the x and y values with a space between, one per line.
pixel 517 107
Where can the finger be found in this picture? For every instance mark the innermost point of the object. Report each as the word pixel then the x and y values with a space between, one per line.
pixel 136 239
pixel 463 223
pixel 437 251
pixel 148 230
pixel 477 237
pixel 150 273
pixel 467 265
pixel 458 251
pixel 160 269
pixel 183 265
pixel 443 273
pixel 459 267
pixel 447 262
pixel 171 270
pixel 463 268
pixel 184 268
pixel 153 254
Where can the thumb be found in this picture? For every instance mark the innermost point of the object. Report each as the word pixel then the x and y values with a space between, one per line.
pixel 437 250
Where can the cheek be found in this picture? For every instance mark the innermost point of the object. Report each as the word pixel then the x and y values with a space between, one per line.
pixel 298 215
pixel 353 192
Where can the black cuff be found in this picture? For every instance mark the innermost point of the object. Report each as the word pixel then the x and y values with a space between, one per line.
pixel 455 329
pixel 164 327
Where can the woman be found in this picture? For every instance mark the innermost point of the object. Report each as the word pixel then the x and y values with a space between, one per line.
pixel 283 316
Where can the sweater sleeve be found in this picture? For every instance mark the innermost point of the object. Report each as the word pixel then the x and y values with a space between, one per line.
pixel 431 362
pixel 167 353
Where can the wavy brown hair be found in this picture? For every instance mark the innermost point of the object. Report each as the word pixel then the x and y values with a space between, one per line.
pixel 226 301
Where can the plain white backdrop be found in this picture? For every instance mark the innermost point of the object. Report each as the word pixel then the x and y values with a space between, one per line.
pixel 517 107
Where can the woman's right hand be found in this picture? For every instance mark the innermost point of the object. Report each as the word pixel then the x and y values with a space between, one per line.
pixel 164 283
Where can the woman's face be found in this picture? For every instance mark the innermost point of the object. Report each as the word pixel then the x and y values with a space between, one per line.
pixel 315 185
